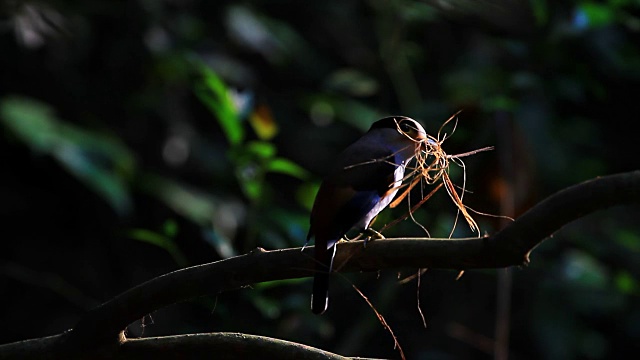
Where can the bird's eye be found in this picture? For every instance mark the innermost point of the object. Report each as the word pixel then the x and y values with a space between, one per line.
pixel 407 127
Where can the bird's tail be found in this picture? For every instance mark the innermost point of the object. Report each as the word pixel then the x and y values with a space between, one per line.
pixel 324 263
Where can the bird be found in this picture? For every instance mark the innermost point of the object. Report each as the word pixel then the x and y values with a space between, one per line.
pixel 362 182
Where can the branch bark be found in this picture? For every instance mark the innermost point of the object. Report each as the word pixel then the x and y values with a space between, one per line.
pixel 102 328
pixel 224 345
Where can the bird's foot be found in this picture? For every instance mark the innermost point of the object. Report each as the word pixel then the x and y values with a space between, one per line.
pixel 373 235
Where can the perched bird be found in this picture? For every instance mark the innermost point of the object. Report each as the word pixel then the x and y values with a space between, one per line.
pixel 364 180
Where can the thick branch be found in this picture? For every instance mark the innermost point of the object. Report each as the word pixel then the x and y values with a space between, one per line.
pixel 508 247
pixel 195 346
pixel 220 346
pixel 563 207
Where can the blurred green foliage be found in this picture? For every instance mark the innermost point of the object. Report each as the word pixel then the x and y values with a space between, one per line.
pixel 214 93
pixel 100 160
pixel 140 137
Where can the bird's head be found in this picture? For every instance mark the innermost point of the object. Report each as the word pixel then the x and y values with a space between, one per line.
pixel 405 131
pixel 411 129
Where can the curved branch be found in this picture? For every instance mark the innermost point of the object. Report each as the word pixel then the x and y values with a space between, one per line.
pixel 561 208
pixel 224 345
pixel 508 247
pixel 38 349
pixel 193 346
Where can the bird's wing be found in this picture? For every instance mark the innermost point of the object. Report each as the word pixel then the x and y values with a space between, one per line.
pixel 363 167
pixel 363 175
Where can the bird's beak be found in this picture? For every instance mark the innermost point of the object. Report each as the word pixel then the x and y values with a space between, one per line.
pixel 421 137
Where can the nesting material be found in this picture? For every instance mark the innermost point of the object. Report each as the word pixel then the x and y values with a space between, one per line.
pixel 432 166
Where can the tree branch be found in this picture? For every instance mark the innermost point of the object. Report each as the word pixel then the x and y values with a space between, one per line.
pixel 510 246
pixel 224 345
pixel 193 346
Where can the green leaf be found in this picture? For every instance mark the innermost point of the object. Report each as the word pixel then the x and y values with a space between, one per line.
pixel 284 166
pixel 213 93
pixel 355 113
pixel 500 103
pixel 160 241
pixel 261 149
pixel 256 158
pixel 263 123
pixel 193 204
pixel 626 283
pixel 31 121
pixel 278 283
pixel 170 228
pixel 269 307
pixel 540 11
pixel 220 243
pixel 597 14
pixel 101 180
pixel 101 162
pixel 306 194
pixel 583 269
pixel 630 240
pixel 288 227
pixel 352 82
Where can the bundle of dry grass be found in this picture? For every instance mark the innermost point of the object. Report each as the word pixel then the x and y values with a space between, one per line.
pixel 432 165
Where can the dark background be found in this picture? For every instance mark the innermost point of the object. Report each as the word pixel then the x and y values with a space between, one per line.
pixel 141 137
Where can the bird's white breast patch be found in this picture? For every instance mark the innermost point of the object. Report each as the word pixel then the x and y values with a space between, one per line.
pixel 398 174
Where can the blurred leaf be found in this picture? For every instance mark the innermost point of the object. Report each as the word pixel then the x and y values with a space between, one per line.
pixel 173 67
pixel 269 307
pixel 288 167
pixel 31 121
pixel 626 283
pixel 102 163
pixel 586 168
pixel 243 100
pixel 500 103
pixel 193 204
pixel 262 149
pixel 263 123
pixel 629 239
pixel 253 188
pixel 540 11
pixel 272 238
pixel 251 178
pixel 278 283
pixel 596 14
pixel 306 194
pixel 621 3
pixel 230 216
pixel 276 41
pixel 294 226
pixel 474 85
pixel 415 11
pixel 356 113
pixel 170 228
pixel 214 94
pixel 582 268
pixel 161 241
pixel 250 31
pixel 256 158
pixel 219 242
pixel 352 82
pixel 103 181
